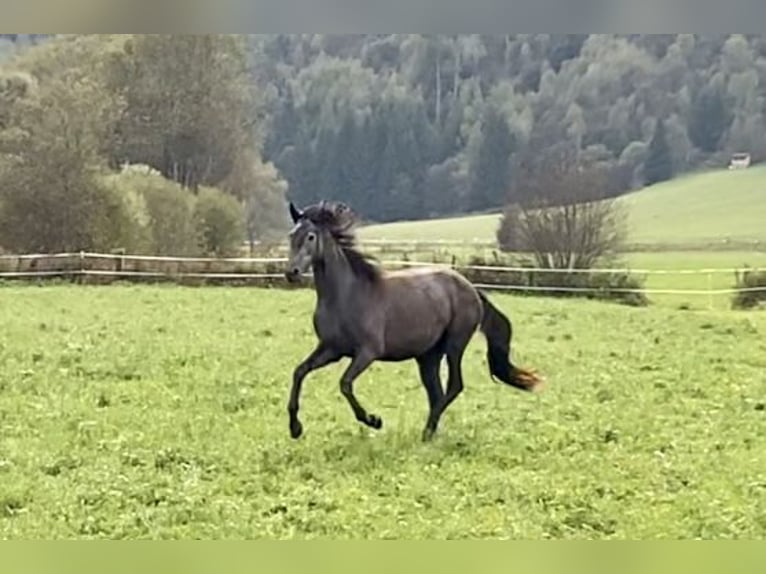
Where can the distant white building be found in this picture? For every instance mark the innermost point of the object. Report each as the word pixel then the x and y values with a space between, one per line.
pixel 739 161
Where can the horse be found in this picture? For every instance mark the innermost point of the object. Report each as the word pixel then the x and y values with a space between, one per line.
pixel 369 314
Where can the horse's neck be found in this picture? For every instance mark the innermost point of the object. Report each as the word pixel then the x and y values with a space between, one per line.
pixel 333 279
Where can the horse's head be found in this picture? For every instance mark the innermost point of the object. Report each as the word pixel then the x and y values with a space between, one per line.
pixel 304 244
pixel 315 227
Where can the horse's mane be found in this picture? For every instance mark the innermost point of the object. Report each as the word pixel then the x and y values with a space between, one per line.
pixel 339 221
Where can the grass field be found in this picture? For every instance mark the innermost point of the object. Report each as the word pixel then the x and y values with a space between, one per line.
pixel 700 260
pixel 701 208
pixel 159 412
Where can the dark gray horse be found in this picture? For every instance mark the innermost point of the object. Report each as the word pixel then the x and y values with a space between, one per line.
pixel 368 314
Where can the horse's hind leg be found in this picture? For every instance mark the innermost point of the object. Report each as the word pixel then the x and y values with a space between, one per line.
pixel 428 365
pixel 455 350
pixel 455 380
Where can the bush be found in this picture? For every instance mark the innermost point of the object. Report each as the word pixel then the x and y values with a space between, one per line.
pixel 163 213
pixel 601 286
pixel 755 281
pixel 125 222
pixel 565 214
pixel 171 217
pixel 220 222
pixel 42 214
pixel 508 233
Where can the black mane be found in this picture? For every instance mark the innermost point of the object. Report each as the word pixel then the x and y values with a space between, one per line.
pixel 339 221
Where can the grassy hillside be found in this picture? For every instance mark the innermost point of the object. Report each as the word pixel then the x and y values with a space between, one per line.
pixel 699 209
pixel 467 228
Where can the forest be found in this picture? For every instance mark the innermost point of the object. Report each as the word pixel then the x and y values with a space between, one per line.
pixel 224 128
pixel 410 126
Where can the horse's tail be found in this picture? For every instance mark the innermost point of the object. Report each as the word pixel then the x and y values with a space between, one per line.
pixel 497 329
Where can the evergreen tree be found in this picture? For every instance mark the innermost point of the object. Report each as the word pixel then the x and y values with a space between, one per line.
pixel 490 168
pixel 659 161
pixel 709 120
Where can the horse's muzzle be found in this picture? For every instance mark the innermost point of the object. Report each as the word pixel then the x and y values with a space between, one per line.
pixel 293 275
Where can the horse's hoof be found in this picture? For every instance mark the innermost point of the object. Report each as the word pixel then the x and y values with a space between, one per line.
pixel 374 421
pixel 428 435
pixel 296 429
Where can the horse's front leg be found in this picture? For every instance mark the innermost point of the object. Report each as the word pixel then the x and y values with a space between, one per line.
pixel 319 357
pixel 359 363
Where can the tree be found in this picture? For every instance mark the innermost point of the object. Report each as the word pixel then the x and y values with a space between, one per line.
pixel 220 222
pixel 445 187
pixel 262 192
pixel 163 212
pixel 489 170
pixel 709 119
pixel 659 160
pixel 564 216
pixel 51 198
pixel 631 164
pixel 399 125
pixel 189 106
pixel 592 90
pixel 76 109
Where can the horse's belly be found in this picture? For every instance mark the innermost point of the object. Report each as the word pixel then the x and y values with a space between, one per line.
pixel 403 350
pixel 409 336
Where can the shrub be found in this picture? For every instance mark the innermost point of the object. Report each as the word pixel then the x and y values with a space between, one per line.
pixel 171 216
pixel 40 214
pixel 564 215
pixel 163 212
pixel 755 281
pixel 602 286
pixel 220 222
pixel 124 224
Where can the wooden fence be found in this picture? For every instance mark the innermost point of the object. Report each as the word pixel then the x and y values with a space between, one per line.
pixel 101 268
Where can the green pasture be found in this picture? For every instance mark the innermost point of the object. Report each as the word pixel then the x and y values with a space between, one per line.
pixel 159 412
pixel 723 262
pixel 713 208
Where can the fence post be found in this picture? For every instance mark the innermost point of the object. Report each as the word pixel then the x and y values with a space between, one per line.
pixel 82 268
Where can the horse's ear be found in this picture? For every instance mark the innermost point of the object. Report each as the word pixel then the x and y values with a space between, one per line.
pixel 295 213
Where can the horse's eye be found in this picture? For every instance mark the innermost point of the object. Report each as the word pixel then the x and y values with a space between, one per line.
pixel 311 237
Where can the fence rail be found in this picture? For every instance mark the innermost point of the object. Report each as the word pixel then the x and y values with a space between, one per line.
pixel 270 270
pixel 85 255
pixel 582 271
